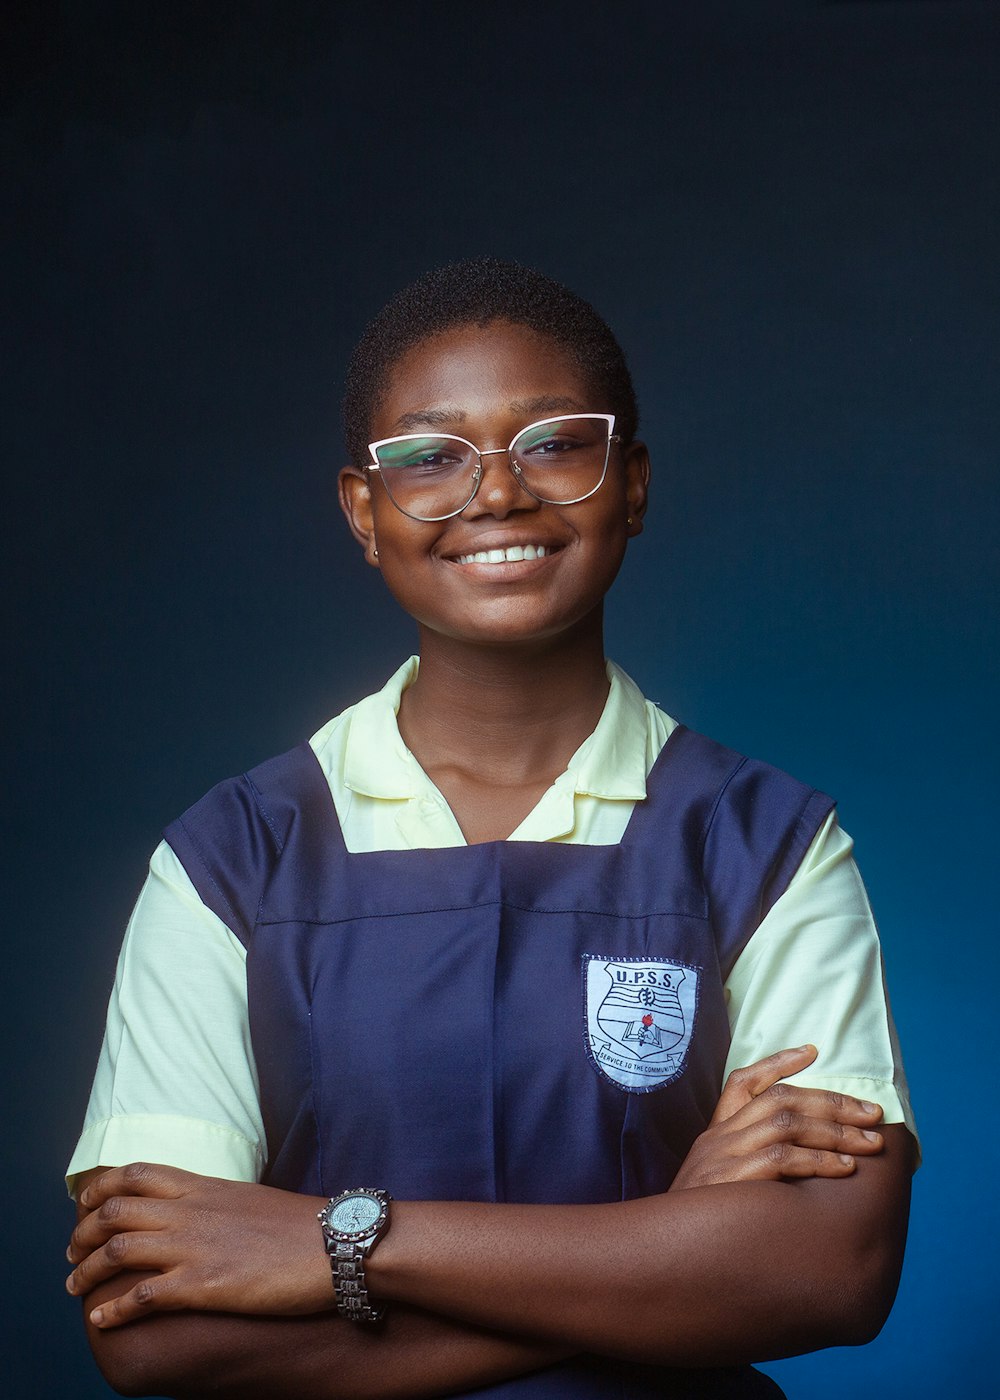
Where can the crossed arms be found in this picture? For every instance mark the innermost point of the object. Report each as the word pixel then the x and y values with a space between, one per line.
pixel 782 1233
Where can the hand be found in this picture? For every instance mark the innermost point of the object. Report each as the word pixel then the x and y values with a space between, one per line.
pixel 764 1130
pixel 219 1246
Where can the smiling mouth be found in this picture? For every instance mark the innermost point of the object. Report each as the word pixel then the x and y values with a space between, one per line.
pixel 513 554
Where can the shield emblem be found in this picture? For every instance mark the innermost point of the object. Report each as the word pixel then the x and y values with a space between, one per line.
pixel 640 1017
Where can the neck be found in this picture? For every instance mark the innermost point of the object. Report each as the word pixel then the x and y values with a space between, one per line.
pixel 510 715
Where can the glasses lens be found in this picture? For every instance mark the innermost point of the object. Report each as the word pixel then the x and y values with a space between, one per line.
pixel 429 477
pixel 563 460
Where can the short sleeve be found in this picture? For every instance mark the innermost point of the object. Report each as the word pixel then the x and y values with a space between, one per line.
pixel 813 974
pixel 176 1081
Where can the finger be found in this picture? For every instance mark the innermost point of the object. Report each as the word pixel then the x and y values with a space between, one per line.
pixel 814 1103
pixel 115 1215
pixel 801 1131
pixel 787 1162
pixel 132 1251
pixel 779 1161
pixel 748 1082
pixel 137 1179
pixel 155 1294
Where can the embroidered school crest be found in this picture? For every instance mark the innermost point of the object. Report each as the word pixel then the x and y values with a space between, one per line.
pixel 640 1015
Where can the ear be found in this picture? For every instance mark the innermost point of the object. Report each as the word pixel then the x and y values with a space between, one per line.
pixel 636 484
pixel 355 496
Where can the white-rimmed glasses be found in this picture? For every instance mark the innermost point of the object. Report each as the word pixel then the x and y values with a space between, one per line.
pixel 433 476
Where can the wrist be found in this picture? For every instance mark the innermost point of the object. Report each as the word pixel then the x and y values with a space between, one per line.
pixel 312 1274
pixel 415 1261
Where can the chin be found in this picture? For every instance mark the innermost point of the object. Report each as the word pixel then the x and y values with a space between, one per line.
pixel 516 630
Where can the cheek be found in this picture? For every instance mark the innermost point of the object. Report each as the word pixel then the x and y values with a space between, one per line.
pixel 403 541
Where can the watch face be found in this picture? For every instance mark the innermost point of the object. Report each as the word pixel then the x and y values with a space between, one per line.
pixel 355 1215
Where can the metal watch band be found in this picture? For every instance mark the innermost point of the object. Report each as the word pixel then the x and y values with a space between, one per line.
pixel 353 1223
pixel 347 1264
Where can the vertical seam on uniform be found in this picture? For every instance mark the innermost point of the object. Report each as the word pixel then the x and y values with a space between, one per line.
pixel 279 845
pixel 496 1065
pixel 258 802
pixel 705 834
pixel 258 798
pixel 313 1084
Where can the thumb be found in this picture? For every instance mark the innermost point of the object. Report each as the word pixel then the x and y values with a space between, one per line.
pixel 746 1083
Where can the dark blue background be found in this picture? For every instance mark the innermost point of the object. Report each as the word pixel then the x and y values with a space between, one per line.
pixel 788 212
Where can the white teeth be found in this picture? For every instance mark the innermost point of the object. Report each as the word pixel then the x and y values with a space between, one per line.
pixel 512 555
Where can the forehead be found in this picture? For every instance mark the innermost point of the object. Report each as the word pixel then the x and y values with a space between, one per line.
pixel 469 373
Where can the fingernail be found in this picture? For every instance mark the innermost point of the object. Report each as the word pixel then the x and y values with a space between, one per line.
pixel 869 1107
pixel 97 1316
pixel 872 1137
pixel 69 1254
pixel 71 1284
pixel 847 1161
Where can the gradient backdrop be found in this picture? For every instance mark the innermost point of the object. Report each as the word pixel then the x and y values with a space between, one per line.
pixel 787 211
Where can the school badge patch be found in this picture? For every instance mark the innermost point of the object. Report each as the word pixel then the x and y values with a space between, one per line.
pixel 639 1016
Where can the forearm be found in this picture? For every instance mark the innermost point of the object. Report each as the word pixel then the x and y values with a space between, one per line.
pixel 233 1355
pixel 712 1276
pixel 704 1275
pixel 190 1355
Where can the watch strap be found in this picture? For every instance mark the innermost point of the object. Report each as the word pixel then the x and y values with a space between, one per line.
pixel 349 1284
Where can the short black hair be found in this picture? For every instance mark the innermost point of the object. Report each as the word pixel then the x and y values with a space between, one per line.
pixel 476 292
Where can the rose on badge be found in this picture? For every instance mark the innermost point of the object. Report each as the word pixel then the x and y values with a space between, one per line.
pixel 639 1018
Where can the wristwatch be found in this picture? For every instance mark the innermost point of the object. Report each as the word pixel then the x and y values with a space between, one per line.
pixel 352 1223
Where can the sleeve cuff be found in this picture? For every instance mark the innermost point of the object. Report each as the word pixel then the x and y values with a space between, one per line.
pixel 173 1141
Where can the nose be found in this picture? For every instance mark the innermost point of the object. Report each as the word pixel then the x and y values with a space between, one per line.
pixel 500 490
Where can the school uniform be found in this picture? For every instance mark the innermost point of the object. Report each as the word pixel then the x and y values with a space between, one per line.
pixel 529 1020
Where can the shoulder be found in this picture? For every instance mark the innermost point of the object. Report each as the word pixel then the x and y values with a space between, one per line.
pixel 756 790
pixel 747 824
pixel 258 797
pixel 230 840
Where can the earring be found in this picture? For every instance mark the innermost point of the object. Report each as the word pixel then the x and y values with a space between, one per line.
pixel 375 552
pixel 628 520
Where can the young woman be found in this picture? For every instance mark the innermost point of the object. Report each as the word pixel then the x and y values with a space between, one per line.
pixel 496 941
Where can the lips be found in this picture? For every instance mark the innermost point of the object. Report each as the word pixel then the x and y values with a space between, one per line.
pixel 511 554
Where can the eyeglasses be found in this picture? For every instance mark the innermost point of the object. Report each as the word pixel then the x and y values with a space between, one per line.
pixel 430 476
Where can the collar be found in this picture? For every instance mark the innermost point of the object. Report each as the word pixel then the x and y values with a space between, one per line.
pixel 610 763
pixel 376 761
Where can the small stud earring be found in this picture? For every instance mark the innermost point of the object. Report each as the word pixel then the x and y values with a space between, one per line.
pixel 628 520
pixel 375 552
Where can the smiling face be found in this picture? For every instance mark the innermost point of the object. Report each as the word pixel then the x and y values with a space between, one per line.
pixel 555 564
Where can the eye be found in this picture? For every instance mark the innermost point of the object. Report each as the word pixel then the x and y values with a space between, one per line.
pixel 552 446
pixel 421 456
pixel 560 444
pixel 441 458
pixel 561 438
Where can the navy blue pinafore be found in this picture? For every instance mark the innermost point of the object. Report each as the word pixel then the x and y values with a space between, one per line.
pixel 512 1021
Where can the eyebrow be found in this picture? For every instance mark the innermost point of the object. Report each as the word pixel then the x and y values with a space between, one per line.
pixel 447 417
pixel 430 418
pixel 547 403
